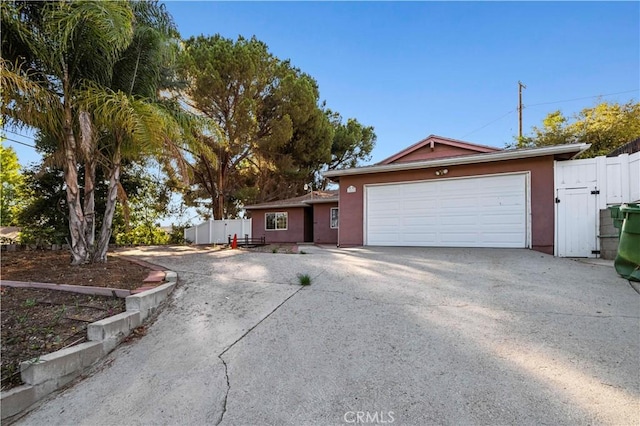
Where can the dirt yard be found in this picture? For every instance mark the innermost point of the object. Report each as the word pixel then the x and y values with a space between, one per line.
pixel 37 321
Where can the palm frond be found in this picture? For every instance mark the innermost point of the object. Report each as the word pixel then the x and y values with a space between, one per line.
pixel 25 102
pixel 89 35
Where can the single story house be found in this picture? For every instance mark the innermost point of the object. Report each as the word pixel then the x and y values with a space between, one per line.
pixel 438 192
pixel 311 218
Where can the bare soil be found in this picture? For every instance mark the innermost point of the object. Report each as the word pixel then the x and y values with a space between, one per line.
pixel 36 322
pixel 55 267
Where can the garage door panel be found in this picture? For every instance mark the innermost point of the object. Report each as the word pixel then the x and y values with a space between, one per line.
pixel 459 221
pixel 420 209
pixel 417 238
pixel 459 239
pixel 418 223
pixel 501 220
pixel 487 211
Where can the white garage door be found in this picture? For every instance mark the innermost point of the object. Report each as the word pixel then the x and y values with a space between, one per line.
pixel 488 211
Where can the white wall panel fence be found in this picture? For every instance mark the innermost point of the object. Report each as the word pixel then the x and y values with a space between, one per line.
pixel 582 189
pixel 218 231
pixel 617 178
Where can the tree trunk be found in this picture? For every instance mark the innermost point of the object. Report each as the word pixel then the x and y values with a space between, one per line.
pixel 220 192
pixel 89 206
pixel 78 241
pixel 112 198
pixel 88 150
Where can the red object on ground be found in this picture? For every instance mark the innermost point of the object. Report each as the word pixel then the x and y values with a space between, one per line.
pixel 234 243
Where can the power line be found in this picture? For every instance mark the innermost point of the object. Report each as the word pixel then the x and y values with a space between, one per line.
pixel 579 99
pixel 491 122
pixel 19 134
pixel 547 103
pixel 21 143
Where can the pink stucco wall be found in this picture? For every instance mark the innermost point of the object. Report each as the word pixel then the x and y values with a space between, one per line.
pixel 295 226
pixel 542 196
pixel 322 231
pixel 439 151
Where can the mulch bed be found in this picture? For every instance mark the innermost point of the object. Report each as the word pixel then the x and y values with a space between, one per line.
pixel 54 267
pixel 36 322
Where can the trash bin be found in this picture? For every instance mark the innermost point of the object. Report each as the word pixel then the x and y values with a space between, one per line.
pixel 617 217
pixel 627 261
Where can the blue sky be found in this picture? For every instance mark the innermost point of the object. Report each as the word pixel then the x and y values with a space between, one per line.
pixel 411 69
pixel 448 68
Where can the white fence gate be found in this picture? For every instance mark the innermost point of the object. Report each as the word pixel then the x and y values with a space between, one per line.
pixel 218 231
pixel 583 188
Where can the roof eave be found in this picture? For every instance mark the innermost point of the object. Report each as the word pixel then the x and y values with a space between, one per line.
pixel 306 203
pixel 322 200
pixel 278 206
pixel 441 140
pixel 462 160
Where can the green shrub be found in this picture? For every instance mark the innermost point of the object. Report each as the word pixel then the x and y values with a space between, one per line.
pixel 143 235
pixel 177 234
pixel 41 236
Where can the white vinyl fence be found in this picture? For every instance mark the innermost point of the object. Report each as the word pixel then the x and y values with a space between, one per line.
pixel 616 178
pixel 218 231
pixel 582 189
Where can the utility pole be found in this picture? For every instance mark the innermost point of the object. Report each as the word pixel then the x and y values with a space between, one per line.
pixel 520 87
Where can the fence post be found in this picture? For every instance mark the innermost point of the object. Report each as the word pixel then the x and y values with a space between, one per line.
pixel 224 230
pixel 626 178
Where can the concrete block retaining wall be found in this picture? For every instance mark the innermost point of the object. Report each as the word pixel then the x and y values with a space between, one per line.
pixel 52 371
pixel 608 235
pixel 146 303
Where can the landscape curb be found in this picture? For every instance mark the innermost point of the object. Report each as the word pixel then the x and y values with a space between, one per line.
pixel 50 372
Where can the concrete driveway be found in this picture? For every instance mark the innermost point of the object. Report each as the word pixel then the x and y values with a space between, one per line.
pixel 394 335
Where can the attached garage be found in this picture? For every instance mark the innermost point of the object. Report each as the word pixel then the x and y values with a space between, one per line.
pixel 446 193
pixel 479 211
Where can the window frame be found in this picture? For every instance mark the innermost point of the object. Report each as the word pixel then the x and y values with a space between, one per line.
pixel 275 221
pixel 331 217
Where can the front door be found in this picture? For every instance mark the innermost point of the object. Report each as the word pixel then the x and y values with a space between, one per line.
pixel 308 224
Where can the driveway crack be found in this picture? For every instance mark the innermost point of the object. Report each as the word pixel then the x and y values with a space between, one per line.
pixel 226 394
pixel 226 368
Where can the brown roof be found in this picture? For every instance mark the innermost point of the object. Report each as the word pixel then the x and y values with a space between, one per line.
pixel 432 139
pixel 628 148
pixel 303 201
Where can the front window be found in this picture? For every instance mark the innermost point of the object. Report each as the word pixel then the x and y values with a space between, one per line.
pixel 334 218
pixel 275 221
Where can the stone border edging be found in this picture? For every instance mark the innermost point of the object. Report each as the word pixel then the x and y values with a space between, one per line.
pixel 80 289
pixel 50 372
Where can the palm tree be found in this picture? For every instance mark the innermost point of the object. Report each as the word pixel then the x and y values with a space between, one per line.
pixel 88 73
pixel 136 120
pixel 57 48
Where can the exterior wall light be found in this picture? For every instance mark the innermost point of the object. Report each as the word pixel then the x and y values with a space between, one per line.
pixel 442 172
